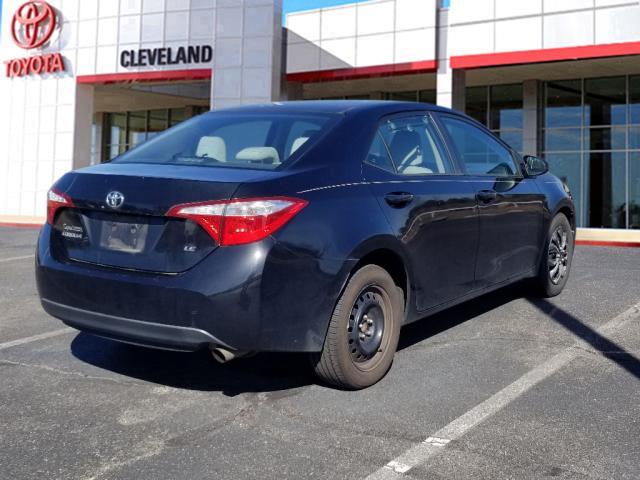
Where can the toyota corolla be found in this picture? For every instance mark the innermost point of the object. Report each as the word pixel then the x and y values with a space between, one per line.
pixel 317 227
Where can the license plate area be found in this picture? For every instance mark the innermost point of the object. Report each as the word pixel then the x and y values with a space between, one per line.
pixel 133 242
pixel 126 237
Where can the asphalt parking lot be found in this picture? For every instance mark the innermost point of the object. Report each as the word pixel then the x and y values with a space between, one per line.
pixel 509 386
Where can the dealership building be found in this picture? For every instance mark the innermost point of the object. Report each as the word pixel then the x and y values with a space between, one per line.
pixel 84 80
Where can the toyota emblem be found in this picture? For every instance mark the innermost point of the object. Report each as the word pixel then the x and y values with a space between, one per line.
pixel 33 24
pixel 115 199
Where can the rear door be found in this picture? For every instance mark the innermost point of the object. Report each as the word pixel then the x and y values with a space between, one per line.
pixel 510 206
pixel 430 210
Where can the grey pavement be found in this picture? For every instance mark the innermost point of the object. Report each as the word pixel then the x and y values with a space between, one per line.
pixel 74 406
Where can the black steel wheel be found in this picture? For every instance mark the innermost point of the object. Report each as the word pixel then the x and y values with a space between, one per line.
pixel 366 324
pixel 555 264
pixel 558 254
pixel 363 332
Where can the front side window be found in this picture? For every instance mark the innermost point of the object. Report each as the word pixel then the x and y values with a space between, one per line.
pixel 255 141
pixel 480 152
pixel 415 146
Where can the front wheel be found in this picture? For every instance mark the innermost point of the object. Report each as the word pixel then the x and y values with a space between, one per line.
pixel 363 332
pixel 555 264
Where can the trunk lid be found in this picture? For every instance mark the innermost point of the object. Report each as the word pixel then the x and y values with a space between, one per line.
pixel 136 235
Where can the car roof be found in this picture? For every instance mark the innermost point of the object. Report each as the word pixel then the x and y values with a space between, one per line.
pixel 343 107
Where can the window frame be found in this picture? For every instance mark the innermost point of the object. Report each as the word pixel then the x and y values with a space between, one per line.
pixel 455 167
pixel 517 159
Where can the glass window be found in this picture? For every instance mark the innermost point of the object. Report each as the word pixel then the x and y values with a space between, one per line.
pixel 427 96
pixel 563 104
pixel 415 146
pixel 506 107
pixel 176 116
pixel 158 122
pixel 117 128
pixel 223 139
pixel 634 100
pixel 379 155
pixel 476 103
pixel 606 190
pixel 513 138
pixel 137 128
pixel 411 96
pixel 481 153
pixel 299 134
pixel 562 140
pixel 567 167
pixel 634 190
pixel 634 138
pixel 358 97
pixel 605 101
pixel 605 138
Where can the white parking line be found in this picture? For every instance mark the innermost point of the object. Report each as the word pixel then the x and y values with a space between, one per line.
pixel 35 338
pixel 12 259
pixel 436 443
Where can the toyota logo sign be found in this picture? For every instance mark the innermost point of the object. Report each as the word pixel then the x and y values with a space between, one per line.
pixel 115 199
pixel 33 24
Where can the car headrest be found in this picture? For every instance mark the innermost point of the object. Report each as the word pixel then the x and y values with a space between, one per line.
pixel 268 155
pixel 297 143
pixel 301 140
pixel 403 144
pixel 416 170
pixel 212 147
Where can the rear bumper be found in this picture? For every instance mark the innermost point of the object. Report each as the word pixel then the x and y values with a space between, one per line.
pixel 256 297
pixel 168 337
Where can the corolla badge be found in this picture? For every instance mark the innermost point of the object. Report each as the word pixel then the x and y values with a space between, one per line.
pixel 115 199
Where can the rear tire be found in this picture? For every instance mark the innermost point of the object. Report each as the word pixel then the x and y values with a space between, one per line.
pixel 363 332
pixel 555 263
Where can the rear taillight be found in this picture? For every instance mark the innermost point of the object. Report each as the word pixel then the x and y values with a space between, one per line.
pixel 236 222
pixel 55 201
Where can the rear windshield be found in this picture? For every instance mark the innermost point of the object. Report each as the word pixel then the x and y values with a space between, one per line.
pixel 256 141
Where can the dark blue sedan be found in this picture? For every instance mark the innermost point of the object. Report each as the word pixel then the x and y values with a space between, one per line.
pixel 317 227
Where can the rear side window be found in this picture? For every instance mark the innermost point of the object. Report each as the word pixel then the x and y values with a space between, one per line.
pixel 379 155
pixel 235 140
pixel 415 146
pixel 480 152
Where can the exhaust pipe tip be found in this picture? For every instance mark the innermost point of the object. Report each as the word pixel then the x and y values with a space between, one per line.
pixel 222 355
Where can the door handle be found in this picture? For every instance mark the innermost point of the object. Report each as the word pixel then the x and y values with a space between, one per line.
pixel 398 199
pixel 486 196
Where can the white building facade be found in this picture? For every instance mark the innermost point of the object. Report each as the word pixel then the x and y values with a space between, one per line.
pixel 555 79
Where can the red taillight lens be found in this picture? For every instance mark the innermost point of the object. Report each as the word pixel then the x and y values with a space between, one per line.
pixel 55 201
pixel 237 222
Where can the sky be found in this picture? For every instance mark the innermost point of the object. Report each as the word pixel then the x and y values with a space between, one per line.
pixel 298 5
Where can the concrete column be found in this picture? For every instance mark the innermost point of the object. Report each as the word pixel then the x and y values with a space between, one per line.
pixel 248 53
pixel 83 126
pixel 530 94
pixel 451 84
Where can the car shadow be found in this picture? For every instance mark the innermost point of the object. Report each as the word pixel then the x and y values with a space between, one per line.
pixel 268 372
pixel 195 371
pixel 283 372
pixel 440 322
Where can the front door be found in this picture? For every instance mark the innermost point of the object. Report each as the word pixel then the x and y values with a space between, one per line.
pixel 429 209
pixel 510 206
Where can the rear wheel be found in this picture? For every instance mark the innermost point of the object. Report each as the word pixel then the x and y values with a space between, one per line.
pixel 555 264
pixel 363 332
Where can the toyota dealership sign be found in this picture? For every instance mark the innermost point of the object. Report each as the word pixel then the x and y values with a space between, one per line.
pixel 32 28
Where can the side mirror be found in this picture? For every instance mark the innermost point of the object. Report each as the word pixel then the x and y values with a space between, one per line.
pixel 535 166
